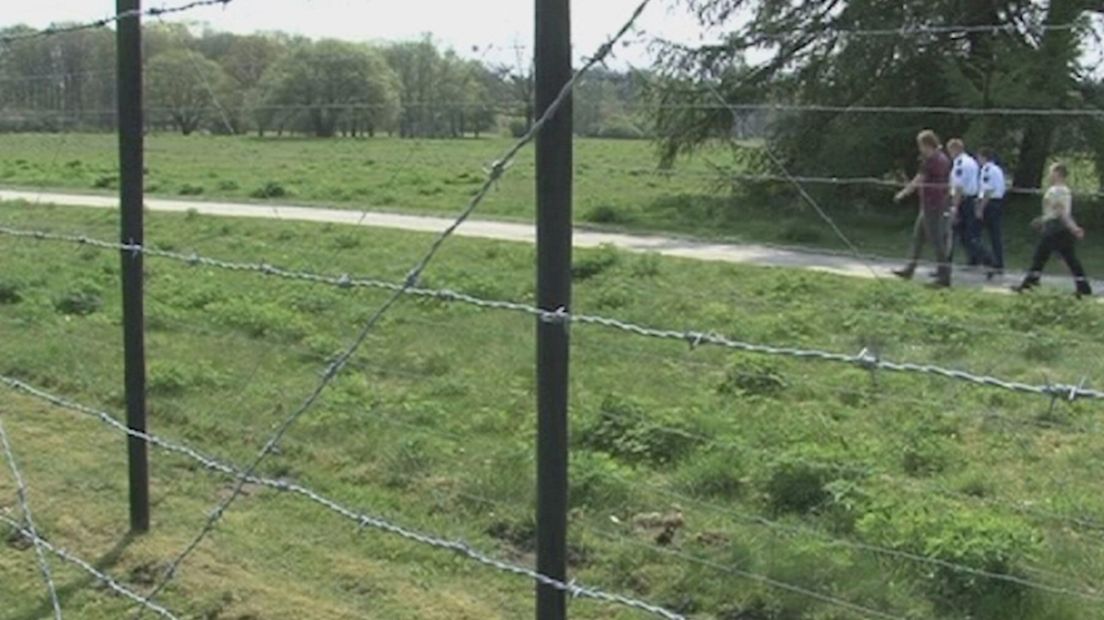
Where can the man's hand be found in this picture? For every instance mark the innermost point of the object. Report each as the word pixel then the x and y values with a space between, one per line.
pixel 1078 232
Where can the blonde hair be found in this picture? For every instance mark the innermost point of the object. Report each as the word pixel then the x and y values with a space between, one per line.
pixel 956 143
pixel 928 138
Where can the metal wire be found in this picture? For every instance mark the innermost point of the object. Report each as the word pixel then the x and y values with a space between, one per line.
pixel 28 518
pixel 864 359
pixel 107 21
pixel 362 519
pixel 103 578
pixel 498 169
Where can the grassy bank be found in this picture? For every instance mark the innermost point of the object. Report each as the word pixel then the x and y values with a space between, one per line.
pixel 617 186
pixel 814 475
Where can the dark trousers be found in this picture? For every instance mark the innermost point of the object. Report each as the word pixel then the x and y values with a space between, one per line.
pixel 967 232
pixel 1064 243
pixel 992 223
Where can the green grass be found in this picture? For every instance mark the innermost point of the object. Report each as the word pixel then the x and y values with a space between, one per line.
pixel 432 426
pixel 617 186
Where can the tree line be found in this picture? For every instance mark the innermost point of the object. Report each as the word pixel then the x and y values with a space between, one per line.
pixel 282 84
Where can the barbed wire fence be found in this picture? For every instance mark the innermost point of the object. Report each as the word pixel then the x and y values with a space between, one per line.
pixel 410 287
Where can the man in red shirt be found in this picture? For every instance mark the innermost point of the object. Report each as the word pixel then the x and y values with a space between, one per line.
pixel 932 181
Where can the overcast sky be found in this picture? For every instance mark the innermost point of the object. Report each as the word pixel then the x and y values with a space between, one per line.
pixel 492 26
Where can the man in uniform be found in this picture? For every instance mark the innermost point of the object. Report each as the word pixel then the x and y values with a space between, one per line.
pixel 965 187
pixel 932 182
pixel 990 209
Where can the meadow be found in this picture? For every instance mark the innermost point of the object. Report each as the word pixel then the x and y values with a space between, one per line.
pixel 898 493
pixel 618 186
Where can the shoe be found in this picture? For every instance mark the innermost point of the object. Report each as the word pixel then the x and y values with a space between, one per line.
pixel 904 274
pixel 938 284
pixel 994 274
pixel 933 274
pixel 1021 288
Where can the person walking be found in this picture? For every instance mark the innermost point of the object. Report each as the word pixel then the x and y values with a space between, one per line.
pixel 1060 234
pixel 931 181
pixel 990 209
pixel 965 188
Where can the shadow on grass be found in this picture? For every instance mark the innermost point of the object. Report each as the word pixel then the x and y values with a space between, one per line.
pixel 105 562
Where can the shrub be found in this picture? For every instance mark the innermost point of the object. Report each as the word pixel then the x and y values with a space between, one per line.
pixel 717 473
pixel 594 263
pixel 190 190
pixel 518 128
pixel 270 189
pixel 749 376
pixel 82 302
pixel 981 541
pixel 607 214
pixel 622 430
pixel 620 129
pixel 105 182
pixel 796 485
pixel 9 292
pixel 228 186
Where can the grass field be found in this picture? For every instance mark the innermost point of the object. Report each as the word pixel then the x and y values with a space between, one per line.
pixel 617 186
pixel 786 469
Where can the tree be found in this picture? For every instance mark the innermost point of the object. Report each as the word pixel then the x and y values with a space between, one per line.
pixel 182 86
pixel 813 60
pixel 328 83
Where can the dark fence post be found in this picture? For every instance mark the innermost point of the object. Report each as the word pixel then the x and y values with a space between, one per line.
pixel 131 162
pixel 554 181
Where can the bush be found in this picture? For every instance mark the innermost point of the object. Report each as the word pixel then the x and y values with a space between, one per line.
pixel 796 485
pixel 105 182
pixel 190 190
pixel 977 540
pixel 518 128
pixel 749 376
pixel 718 473
pixel 622 430
pixel 271 189
pixel 607 214
pixel 9 292
pixel 594 263
pixel 82 302
pixel 620 129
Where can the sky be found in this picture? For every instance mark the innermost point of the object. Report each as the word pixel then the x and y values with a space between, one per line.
pixel 486 29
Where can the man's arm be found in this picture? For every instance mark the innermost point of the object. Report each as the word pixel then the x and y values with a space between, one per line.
pixel 910 189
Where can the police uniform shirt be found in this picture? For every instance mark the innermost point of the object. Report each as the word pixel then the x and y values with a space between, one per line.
pixel 964 178
pixel 992 181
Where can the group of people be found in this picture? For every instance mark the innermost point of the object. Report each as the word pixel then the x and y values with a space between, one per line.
pixel 962 200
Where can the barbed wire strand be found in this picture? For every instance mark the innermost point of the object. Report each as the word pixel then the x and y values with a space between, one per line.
pixel 102 577
pixel 695 338
pixel 497 171
pixel 28 518
pixel 363 520
pixel 107 21
pixel 778 163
